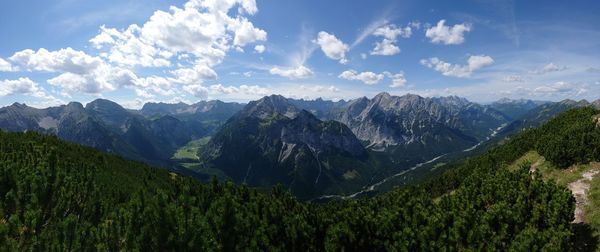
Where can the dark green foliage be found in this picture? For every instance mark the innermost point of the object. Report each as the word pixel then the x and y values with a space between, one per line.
pixel 56 195
pixel 572 138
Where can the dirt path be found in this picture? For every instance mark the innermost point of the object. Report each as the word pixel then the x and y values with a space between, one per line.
pixel 534 166
pixel 580 189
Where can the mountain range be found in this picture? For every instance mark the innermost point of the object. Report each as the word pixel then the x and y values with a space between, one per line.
pixel 146 135
pixel 312 147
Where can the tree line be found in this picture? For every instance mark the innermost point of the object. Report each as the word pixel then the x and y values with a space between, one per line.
pixel 56 195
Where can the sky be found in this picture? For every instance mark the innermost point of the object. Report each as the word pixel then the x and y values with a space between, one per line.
pixel 133 52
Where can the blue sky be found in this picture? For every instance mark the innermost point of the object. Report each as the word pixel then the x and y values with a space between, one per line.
pixel 133 52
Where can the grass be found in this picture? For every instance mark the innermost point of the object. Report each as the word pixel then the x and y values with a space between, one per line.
pixel 592 210
pixel 550 172
pixel 564 177
pixel 190 150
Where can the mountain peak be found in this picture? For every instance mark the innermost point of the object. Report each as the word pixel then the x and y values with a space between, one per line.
pixel 596 104
pixel 19 105
pixel 103 105
pixel 453 100
pixel 383 95
pixel 269 105
pixel 570 102
pixel 74 105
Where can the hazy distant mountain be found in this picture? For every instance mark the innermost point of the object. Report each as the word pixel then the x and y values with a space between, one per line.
pixel 322 109
pixel 312 147
pixel 107 126
pixel 515 108
pixel 208 115
pixel 202 108
pixel 412 129
pixel 596 104
pixel 272 141
pixel 539 115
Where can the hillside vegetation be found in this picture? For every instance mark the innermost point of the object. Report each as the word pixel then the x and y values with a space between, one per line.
pixel 61 196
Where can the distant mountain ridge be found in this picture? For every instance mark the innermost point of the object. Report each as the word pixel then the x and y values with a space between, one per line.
pixel 310 146
pixel 107 126
pixel 515 108
pixel 412 128
pixel 272 141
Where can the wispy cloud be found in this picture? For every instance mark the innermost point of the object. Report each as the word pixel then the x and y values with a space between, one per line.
pixel 381 20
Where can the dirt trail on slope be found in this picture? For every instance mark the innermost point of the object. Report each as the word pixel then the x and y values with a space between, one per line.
pixel 534 166
pixel 580 189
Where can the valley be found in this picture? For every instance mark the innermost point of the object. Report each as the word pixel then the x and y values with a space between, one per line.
pixel 125 203
pixel 251 125
pixel 339 149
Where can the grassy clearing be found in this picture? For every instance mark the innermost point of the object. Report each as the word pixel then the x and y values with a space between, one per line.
pixel 190 150
pixel 564 177
pixel 550 172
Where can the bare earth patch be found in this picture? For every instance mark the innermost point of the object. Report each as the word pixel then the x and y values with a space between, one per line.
pixel 580 189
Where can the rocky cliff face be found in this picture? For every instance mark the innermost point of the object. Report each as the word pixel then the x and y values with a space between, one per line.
pixel 107 126
pixel 388 120
pixel 271 141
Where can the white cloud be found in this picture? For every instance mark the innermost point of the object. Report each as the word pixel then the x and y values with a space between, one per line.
pixel 332 47
pixel 203 29
pixel 398 80
pixel 143 93
pixel 368 30
pixel 550 67
pixel 415 24
pixel 194 38
pixel 561 87
pixel 157 84
pixel 80 72
pixel 363 56
pixel 259 48
pixel 248 74
pixel 386 48
pixel 368 78
pixel 475 63
pixel 5 66
pixel 128 49
pixel 390 33
pixel 321 89
pixel 26 86
pixel 245 32
pixel 19 86
pixel 300 72
pixel 63 60
pixel 447 35
pixel 194 75
pixel 513 78
pixel 253 90
pixel 197 90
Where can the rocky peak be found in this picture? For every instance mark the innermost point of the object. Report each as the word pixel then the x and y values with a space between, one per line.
pixel 596 104
pixel 103 105
pixel 454 101
pixel 109 112
pixel 269 105
pixel 19 105
pixel 569 102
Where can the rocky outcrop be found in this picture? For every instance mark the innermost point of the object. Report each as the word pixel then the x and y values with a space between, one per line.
pixel 272 141
pixel 398 120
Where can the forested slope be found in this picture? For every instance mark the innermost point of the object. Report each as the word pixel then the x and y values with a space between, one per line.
pixel 60 196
